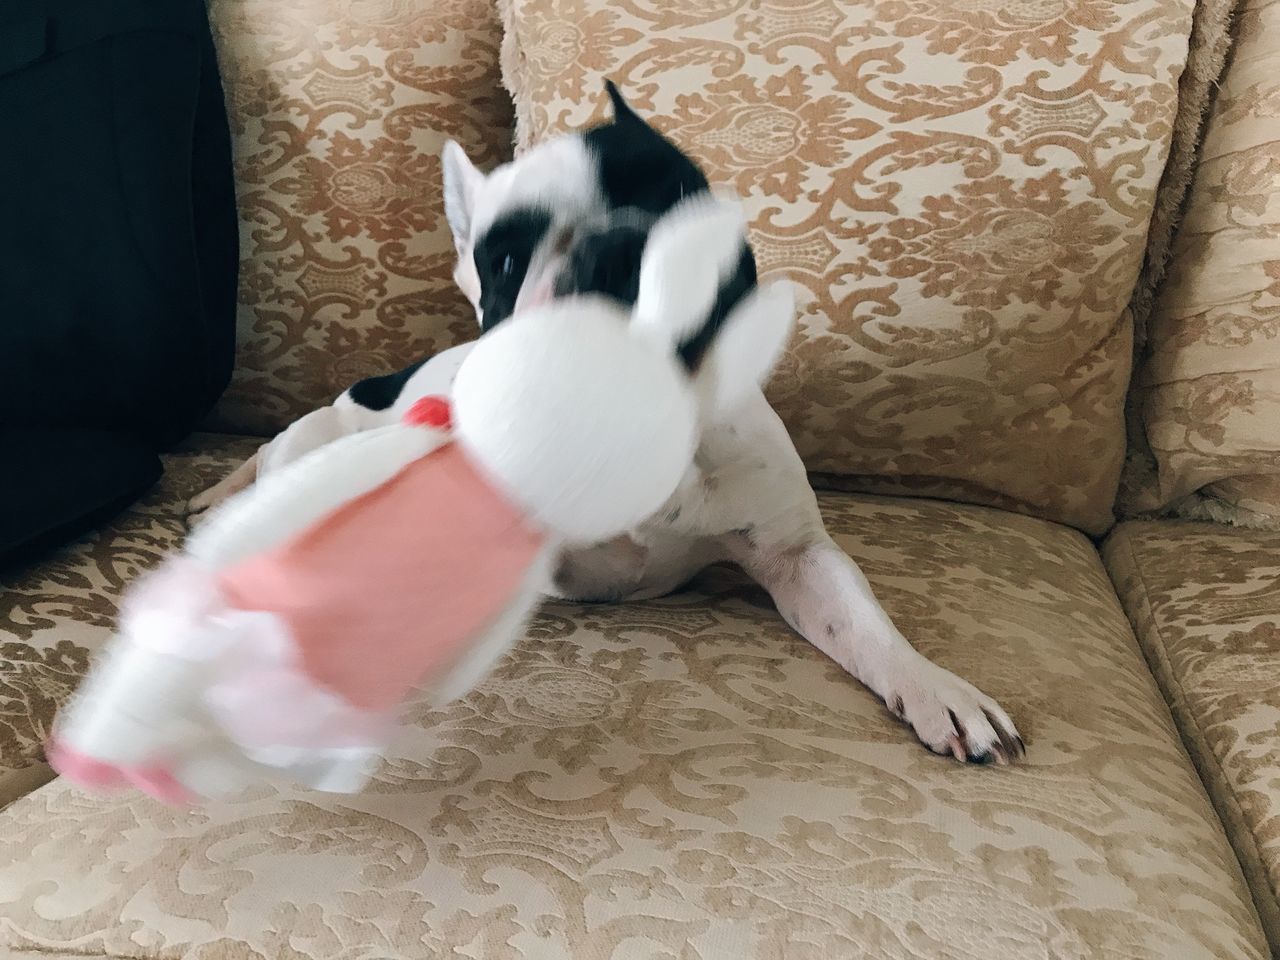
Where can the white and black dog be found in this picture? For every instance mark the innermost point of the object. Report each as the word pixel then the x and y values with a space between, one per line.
pixel 571 216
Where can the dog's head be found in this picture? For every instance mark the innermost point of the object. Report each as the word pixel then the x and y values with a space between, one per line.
pixel 576 215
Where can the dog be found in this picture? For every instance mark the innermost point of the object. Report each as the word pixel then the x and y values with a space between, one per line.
pixel 572 216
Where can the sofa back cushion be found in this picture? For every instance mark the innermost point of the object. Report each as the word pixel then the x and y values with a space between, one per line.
pixel 339 111
pixel 1209 388
pixel 960 192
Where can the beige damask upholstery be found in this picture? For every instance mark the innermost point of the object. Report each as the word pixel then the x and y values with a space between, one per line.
pixel 54 615
pixel 1205 600
pixel 1209 391
pixel 686 778
pixel 339 110
pixel 961 191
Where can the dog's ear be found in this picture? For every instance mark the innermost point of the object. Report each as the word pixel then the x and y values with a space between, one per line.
pixel 690 252
pixel 462 182
pixel 622 112
pixel 745 348
pixel 638 166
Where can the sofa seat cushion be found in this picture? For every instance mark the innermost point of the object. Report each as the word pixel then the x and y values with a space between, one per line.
pixel 687 778
pixel 53 616
pixel 1205 600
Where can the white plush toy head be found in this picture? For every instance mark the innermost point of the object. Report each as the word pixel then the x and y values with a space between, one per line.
pixel 586 425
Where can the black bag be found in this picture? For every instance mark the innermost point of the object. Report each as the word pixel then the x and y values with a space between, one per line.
pixel 118 252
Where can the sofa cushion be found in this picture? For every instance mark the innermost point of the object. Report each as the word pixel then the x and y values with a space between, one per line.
pixel 1209 390
pixel 52 617
pixel 339 111
pixel 961 193
pixel 687 778
pixel 1205 601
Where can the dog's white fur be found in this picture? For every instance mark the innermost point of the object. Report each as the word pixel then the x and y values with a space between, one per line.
pixel 747 499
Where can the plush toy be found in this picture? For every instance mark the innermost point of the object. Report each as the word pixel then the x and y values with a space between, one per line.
pixel 281 643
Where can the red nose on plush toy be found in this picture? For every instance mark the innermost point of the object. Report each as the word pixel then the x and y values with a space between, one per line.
pixel 433 411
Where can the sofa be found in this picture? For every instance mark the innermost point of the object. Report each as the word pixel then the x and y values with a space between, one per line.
pixel 1036 378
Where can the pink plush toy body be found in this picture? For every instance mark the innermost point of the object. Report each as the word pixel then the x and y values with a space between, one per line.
pixel 420 542
pixel 321 636
pixel 284 639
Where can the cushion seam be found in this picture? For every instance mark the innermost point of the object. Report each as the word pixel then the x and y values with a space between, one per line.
pixel 29 951
pixel 36 768
pixel 1195 737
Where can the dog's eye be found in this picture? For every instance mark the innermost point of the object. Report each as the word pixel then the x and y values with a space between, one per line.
pixel 507 265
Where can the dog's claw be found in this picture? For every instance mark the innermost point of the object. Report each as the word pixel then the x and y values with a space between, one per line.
pixel 953 718
pixel 1010 743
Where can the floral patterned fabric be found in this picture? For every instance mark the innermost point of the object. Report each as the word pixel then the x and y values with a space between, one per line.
pixel 1209 391
pixel 1205 600
pixel 965 192
pixel 688 778
pixel 961 192
pixel 339 110
pixel 53 616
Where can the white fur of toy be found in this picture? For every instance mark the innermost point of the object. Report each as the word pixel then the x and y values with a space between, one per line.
pixel 746 349
pixel 621 414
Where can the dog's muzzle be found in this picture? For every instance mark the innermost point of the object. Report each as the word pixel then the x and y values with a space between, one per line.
pixel 605 258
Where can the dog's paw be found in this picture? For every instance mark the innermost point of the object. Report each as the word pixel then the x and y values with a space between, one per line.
pixel 202 504
pixel 195 509
pixel 953 717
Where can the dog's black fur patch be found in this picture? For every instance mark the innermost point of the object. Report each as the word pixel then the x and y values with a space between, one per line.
pixel 637 166
pixel 640 168
pixel 607 260
pixel 502 259
pixel 378 393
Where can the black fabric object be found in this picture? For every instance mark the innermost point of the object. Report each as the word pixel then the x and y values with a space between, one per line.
pixel 103 473
pixel 118 251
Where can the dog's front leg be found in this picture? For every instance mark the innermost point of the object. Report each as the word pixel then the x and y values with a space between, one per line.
pixel 822 594
pixel 241 478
